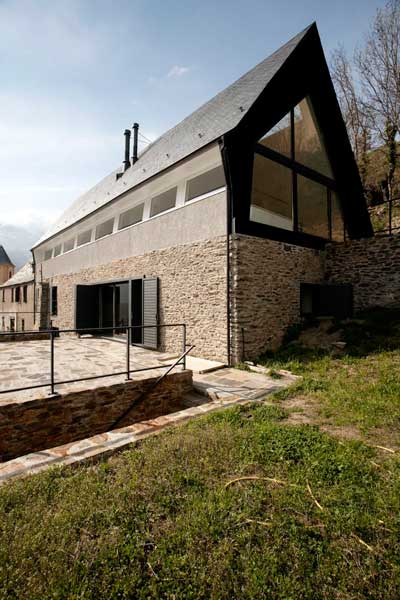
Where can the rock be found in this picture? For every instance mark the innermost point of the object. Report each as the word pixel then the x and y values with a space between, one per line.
pixel 340 345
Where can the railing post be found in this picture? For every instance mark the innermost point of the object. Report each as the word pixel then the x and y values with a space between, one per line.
pixel 128 351
pixel 52 363
pixel 184 347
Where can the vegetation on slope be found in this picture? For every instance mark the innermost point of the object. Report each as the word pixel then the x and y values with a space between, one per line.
pixel 239 504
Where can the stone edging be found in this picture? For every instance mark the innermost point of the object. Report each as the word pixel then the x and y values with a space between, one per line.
pixel 105 444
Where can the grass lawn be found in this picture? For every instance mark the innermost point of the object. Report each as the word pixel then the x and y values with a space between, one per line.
pixel 240 504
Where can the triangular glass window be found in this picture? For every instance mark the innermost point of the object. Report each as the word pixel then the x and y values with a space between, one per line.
pixel 278 138
pixel 309 147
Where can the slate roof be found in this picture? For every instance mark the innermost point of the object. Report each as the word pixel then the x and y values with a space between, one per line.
pixel 208 123
pixel 24 275
pixel 4 258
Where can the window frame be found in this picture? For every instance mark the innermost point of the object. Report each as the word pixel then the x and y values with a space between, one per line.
pixel 54 300
pixel 156 196
pixel 304 171
pixel 206 194
pixel 122 214
pixel 102 224
pixel 82 233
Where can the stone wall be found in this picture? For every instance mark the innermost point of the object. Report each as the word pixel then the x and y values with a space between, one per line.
pixel 265 291
pixel 371 265
pixel 35 425
pixel 192 288
pixel 28 337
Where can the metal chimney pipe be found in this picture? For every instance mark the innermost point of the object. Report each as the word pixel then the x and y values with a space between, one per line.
pixel 135 142
pixel 127 162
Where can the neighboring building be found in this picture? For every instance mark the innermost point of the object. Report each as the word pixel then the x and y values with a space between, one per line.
pixel 17 301
pixel 7 268
pixel 220 223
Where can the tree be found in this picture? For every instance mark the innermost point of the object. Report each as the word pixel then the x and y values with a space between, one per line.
pixel 378 66
pixel 356 115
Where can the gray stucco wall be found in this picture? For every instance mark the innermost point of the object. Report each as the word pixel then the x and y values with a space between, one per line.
pixel 194 222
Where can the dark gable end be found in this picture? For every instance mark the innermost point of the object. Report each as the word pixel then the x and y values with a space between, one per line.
pixel 303 73
pixel 4 258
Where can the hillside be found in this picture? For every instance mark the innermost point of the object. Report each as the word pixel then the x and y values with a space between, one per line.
pixel 299 499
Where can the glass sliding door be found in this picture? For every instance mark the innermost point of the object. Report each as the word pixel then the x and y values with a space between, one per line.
pixel 114 307
pixel 107 307
pixel 121 302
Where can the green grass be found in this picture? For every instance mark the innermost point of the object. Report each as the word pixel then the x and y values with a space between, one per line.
pixel 158 521
pixel 162 520
pixel 360 387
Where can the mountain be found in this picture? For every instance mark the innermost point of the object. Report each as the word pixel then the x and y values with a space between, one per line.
pixel 19 239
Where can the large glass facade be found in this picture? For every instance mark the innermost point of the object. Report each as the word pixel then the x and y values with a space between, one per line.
pixel 278 138
pixel 272 193
pixel 309 148
pixel 293 186
pixel 312 203
pixel 336 219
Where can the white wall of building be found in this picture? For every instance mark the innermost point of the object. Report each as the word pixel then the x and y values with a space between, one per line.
pixel 200 219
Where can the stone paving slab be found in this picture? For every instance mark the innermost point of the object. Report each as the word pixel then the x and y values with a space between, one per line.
pixel 28 363
pixel 102 445
pixel 244 384
pixel 246 388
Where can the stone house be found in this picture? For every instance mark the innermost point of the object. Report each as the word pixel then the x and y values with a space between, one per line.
pixel 17 301
pixel 220 223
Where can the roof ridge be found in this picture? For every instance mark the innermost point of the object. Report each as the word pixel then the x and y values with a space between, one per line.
pixel 203 126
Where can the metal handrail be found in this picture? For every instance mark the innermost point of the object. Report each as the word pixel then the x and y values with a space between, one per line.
pixel 128 371
pixel 152 386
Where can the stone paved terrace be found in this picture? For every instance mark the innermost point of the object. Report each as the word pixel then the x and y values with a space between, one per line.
pixel 28 363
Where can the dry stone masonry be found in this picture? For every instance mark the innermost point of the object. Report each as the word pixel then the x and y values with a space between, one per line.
pixel 371 265
pixel 38 424
pixel 265 291
pixel 192 288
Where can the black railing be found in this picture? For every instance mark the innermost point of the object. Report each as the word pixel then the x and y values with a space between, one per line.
pixel 152 386
pixel 388 218
pixel 53 333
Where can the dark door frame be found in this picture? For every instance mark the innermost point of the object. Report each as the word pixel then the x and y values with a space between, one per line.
pixel 128 280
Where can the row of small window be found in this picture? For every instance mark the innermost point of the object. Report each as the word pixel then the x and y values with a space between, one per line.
pixel 16 294
pixel 198 186
pixel 11 326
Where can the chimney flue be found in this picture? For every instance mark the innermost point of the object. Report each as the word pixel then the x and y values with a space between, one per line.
pixel 135 142
pixel 127 162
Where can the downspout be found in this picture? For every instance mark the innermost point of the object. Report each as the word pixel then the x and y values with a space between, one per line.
pixel 34 286
pixel 225 162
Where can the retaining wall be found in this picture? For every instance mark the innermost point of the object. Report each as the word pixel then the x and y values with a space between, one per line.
pixel 38 424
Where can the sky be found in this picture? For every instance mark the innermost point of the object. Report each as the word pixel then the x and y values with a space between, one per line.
pixel 75 73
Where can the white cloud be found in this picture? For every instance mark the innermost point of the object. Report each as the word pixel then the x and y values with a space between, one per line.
pixel 177 71
pixel 19 239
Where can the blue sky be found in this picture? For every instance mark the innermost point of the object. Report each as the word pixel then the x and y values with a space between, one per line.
pixel 76 73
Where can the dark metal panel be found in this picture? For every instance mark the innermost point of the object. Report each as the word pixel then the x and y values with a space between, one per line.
pixel 326 300
pixel 150 312
pixel 87 306
pixel 305 72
